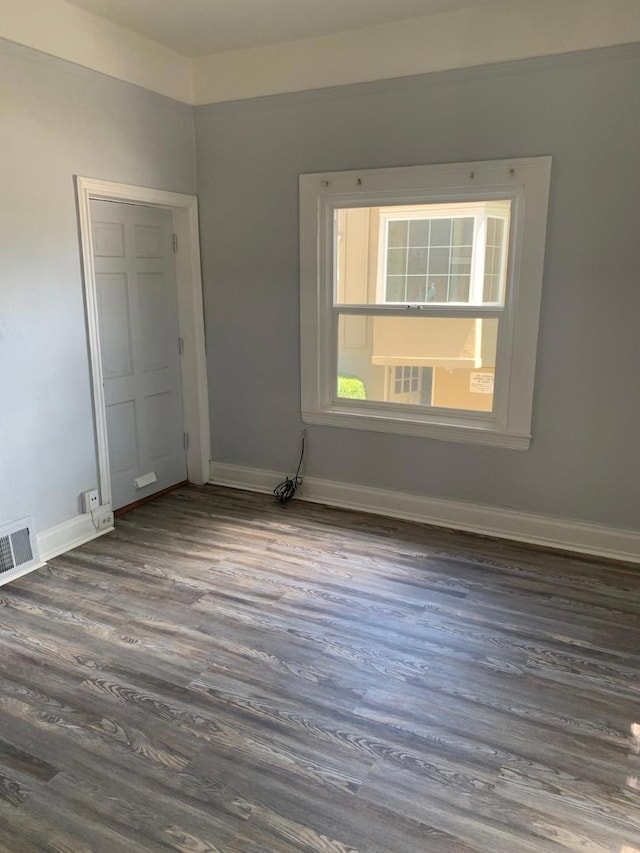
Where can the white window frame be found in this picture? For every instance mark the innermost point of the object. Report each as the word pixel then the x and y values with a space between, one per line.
pixel 525 182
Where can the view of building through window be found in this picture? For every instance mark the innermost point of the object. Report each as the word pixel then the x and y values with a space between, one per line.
pixel 430 255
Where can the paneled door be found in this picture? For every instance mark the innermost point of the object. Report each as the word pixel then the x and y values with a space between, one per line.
pixel 140 348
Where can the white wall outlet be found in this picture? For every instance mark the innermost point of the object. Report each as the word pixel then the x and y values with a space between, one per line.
pixel 90 501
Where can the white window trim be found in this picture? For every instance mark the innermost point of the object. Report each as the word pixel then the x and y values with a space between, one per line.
pixel 524 181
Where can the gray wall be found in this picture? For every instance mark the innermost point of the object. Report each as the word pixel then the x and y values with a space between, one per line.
pixel 57 120
pixel 583 110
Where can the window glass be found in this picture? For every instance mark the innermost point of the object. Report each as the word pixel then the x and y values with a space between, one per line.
pixel 429 253
pixel 434 262
pixel 494 251
pixel 441 362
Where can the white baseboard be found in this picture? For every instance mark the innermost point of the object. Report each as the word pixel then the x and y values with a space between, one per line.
pixel 76 531
pixel 562 533
pixel 14 574
pixel 63 537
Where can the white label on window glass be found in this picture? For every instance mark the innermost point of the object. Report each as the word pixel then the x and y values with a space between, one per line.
pixel 481 383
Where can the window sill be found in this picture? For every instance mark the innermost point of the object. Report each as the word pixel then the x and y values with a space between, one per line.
pixel 485 434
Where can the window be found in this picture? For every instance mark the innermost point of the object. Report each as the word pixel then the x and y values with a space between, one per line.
pixel 410 385
pixel 406 380
pixel 428 252
pixel 420 289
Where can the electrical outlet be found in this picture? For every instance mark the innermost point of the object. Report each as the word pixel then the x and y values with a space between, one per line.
pixel 90 501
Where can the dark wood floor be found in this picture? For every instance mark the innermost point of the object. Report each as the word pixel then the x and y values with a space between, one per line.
pixel 222 673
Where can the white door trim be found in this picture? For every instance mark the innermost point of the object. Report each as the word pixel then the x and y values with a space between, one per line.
pixel 184 209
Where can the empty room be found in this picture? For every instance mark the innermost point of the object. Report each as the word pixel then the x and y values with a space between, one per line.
pixel 319 382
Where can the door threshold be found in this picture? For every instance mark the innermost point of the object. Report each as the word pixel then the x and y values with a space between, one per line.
pixel 125 509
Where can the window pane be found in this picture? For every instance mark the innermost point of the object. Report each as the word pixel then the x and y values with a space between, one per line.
pixel 396 288
pixel 459 288
pixel 463 232
pixel 419 232
pixel 438 288
pixel 441 232
pixel 493 272
pixel 417 261
pixel 416 288
pixel 459 248
pixel 439 260
pixel 398 232
pixel 396 261
pixel 431 361
pixel 489 261
pixel 461 259
pixel 490 292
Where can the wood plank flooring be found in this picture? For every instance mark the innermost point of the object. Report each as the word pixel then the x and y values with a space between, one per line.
pixel 226 674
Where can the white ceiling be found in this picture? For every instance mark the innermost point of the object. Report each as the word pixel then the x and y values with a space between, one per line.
pixel 203 27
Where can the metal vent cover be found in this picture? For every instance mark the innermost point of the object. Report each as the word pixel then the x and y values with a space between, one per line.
pixel 18 546
pixel 6 556
pixel 21 545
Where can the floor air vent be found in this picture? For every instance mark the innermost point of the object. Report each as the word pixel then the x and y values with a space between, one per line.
pixel 18 548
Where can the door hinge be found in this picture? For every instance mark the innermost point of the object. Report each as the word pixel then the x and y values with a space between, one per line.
pixel 185 438
pixel 175 242
pixel 180 345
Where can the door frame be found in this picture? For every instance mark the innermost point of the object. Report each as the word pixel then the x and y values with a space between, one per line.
pixel 193 363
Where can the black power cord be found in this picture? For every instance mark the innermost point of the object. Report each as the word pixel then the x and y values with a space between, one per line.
pixel 286 490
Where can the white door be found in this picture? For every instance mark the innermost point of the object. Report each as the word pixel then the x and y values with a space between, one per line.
pixel 139 341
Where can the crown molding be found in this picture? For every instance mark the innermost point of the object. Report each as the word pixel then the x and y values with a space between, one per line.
pixel 502 32
pixel 59 29
pixel 465 38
